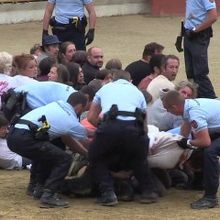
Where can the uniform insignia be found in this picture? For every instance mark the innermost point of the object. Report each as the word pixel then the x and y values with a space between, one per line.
pixel 194 124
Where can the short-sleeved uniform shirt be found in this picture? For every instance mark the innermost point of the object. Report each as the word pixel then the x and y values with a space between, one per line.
pixel 203 113
pixel 43 93
pixel 66 9
pixel 122 93
pixel 196 12
pixel 61 118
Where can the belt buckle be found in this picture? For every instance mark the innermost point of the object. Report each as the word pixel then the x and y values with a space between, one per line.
pixel 75 21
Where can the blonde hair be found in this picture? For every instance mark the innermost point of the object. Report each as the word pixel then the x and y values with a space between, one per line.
pixel 5 62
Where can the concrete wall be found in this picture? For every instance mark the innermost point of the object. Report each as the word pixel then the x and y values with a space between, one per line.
pixel 33 11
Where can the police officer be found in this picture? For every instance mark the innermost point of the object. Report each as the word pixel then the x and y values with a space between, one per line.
pixel 70 21
pixel 200 15
pixel 31 137
pixel 202 116
pixel 120 138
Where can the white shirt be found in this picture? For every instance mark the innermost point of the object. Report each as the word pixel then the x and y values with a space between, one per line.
pixel 8 159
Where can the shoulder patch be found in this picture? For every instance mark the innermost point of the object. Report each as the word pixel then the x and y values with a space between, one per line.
pixel 194 124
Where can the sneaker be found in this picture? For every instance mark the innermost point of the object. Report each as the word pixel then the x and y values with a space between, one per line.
pixel 108 198
pixel 205 203
pixel 51 200
pixel 148 197
pixel 38 191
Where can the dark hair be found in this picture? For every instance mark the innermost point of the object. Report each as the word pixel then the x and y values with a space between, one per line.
pixel 95 84
pixel 147 96
pixel 80 57
pixel 3 120
pixel 62 50
pixel 121 74
pixel 35 48
pixel 114 64
pixel 88 90
pixel 167 57
pixel 45 65
pixel 102 74
pixel 149 49
pixel 73 69
pixel 77 98
pixel 63 73
pixel 156 61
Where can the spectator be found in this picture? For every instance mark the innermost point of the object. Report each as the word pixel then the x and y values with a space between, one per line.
pixel 76 75
pixel 66 52
pixel 44 68
pixel 80 57
pixel 113 64
pixel 140 68
pixel 59 73
pixel 93 64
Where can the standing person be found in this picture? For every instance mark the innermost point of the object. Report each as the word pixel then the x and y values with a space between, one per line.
pixel 200 15
pixel 203 118
pixel 121 137
pixel 70 21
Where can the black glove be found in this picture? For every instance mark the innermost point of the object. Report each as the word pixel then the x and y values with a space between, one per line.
pixel 90 36
pixel 44 33
pixel 183 144
pixel 178 44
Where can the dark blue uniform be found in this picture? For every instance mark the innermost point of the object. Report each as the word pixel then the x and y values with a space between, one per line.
pixel 196 46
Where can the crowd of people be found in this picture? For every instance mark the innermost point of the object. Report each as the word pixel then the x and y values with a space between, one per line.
pixel 118 134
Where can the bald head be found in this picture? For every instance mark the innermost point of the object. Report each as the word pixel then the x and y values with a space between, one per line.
pixel 95 56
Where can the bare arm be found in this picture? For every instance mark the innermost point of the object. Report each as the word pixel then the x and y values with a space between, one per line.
pixel 74 145
pixel 202 139
pixel 210 19
pixel 47 15
pixel 93 115
pixel 185 129
pixel 92 15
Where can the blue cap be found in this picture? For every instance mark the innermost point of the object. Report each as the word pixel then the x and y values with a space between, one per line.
pixel 50 39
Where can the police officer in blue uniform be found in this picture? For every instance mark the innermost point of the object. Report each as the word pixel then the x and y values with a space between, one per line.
pixel 43 93
pixel 120 139
pixel 32 134
pixel 202 117
pixel 200 15
pixel 70 21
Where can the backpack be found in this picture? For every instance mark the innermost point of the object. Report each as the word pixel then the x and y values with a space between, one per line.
pixel 14 104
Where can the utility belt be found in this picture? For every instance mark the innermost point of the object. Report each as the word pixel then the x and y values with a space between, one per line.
pixel 139 116
pixel 75 23
pixel 207 33
pixel 39 133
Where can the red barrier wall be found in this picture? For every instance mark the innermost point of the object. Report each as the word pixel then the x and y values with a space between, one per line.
pixel 170 7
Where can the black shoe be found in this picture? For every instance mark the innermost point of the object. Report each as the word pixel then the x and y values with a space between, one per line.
pixel 126 192
pixel 108 198
pixel 205 203
pixel 51 200
pixel 148 197
pixel 38 191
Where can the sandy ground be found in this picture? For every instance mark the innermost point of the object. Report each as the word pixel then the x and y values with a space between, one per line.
pixel 124 38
